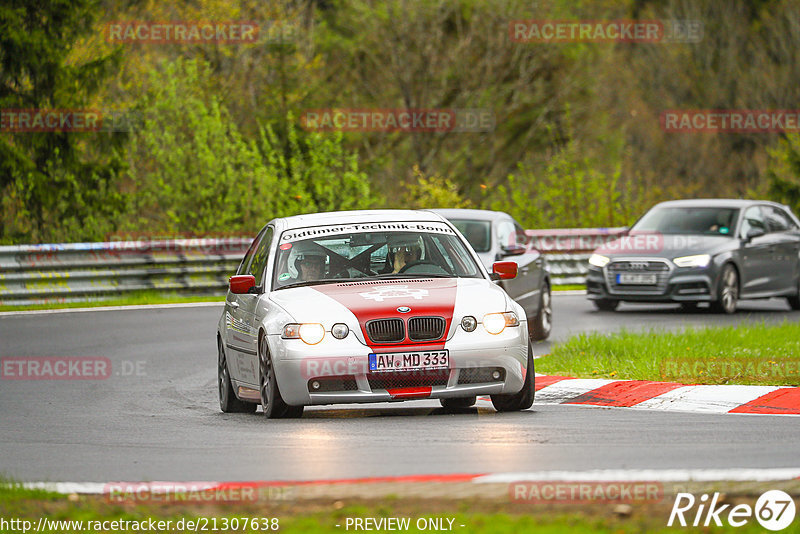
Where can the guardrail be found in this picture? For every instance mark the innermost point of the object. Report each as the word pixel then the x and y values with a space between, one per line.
pixel 79 272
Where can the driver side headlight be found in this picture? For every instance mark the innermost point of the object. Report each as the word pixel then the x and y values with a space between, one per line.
pixel 494 323
pixel 598 261
pixel 698 260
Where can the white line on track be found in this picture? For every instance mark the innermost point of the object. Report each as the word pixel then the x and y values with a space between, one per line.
pixel 117 308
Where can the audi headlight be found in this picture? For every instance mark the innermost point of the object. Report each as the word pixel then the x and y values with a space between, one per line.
pixel 494 323
pixel 698 260
pixel 598 261
pixel 310 333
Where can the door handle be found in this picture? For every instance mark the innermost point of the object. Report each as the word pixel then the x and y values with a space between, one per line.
pixel 233 305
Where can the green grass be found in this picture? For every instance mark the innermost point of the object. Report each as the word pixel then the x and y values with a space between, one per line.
pixel 483 516
pixel 570 287
pixel 133 299
pixel 745 354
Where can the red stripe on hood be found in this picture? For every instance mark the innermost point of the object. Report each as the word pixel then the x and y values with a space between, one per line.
pixel 429 297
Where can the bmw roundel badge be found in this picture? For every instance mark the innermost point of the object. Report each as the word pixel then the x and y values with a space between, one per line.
pixel 404 309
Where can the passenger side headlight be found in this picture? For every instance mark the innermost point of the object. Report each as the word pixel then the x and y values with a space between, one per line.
pixel 310 333
pixel 598 261
pixel 698 260
pixel 494 323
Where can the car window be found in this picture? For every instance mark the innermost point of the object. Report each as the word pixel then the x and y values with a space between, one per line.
pixel 260 257
pixel 778 220
pixel 244 266
pixel 688 220
pixel 753 218
pixel 506 235
pixel 519 232
pixel 478 233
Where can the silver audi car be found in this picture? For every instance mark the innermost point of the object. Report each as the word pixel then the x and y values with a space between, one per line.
pixel 692 251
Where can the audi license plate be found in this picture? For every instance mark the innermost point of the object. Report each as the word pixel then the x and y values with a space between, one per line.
pixel 409 361
pixel 636 279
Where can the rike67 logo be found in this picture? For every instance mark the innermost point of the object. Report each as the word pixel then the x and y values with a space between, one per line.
pixel 774 510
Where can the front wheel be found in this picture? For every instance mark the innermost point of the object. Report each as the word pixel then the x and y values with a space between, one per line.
pixel 228 402
pixel 271 400
pixel 539 327
pixel 522 400
pixel 794 301
pixel 727 291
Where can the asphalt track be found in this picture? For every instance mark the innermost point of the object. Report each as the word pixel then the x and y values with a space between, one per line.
pixel 163 422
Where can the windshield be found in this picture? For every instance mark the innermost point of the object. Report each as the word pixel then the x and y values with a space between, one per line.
pixel 331 254
pixel 478 233
pixel 689 220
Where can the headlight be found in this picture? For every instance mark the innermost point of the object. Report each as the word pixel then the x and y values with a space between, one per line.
pixel 310 333
pixel 699 260
pixel 340 330
pixel 598 261
pixel 494 323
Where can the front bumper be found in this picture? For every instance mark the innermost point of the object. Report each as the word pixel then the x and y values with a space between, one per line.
pixel 679 285
pixel 480 364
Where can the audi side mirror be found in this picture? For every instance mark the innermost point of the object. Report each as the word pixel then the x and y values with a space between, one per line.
pixel 752 233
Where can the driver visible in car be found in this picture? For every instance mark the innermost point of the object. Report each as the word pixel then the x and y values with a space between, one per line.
pixel 404 251
pixel 310 264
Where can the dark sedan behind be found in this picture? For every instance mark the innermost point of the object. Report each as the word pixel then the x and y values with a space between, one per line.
pixel 692 251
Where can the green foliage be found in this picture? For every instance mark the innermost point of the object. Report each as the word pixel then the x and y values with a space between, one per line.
pixel 192 171
pixel 784 172
pixel 56 186
pixel 433 191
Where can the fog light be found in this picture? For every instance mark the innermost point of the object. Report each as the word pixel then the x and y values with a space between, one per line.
pixel 496 375
pixel 469 323
pixel 314 385
pixel 340 330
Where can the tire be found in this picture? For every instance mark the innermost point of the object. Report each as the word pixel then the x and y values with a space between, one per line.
pixel 228 402
pixel 794 301
pixel 540 326
pixel 460 403
pixel 727 291
pixel 271 400
pixel 522 400
pixel 608 305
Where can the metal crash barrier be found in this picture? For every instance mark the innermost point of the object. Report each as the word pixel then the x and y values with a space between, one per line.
pixel 82 272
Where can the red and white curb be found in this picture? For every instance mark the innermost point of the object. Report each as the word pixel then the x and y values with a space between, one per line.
pixel 668 396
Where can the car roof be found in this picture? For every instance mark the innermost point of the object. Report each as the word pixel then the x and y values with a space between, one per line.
pixel 476 215
pixel 357 217
pixel 714 203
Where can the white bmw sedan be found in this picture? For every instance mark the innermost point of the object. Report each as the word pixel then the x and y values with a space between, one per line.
pixel 369 306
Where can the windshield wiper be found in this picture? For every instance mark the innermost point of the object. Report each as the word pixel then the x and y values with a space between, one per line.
pixel 412 275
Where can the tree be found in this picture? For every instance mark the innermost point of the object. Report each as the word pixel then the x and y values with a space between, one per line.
pixel 55 185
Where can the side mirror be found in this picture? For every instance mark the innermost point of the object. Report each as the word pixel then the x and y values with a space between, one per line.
pixel 242 283
pixel 513 250
pixel 753 233
pixel 504 270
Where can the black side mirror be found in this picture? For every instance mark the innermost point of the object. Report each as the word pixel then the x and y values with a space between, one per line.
pixel 752 233
pixel 513 250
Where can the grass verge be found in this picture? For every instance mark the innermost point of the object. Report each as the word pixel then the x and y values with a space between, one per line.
pixel 480 516
pixel 570 287
pixel 137 298
pixel 744 354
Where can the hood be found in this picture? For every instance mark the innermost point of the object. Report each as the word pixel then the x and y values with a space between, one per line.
pixel 355 303
pixel 666 246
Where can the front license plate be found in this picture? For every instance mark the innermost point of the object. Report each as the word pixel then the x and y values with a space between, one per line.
pixel 408 361
pixel 636 279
